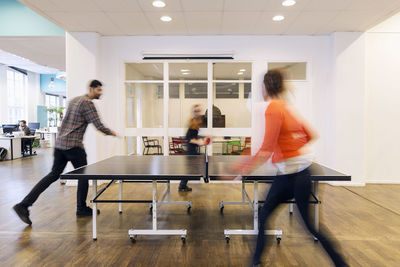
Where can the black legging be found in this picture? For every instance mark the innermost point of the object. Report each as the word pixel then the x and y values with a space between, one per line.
pixel 286 187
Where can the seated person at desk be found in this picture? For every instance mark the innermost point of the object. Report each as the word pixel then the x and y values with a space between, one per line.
pixel 25 143
pixel 24 128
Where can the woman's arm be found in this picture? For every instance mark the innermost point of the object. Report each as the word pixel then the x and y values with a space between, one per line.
pixel 197 141
pixel 273 122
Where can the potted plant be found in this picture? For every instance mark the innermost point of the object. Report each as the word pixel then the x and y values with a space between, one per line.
pixel 60 114
pixel 55 116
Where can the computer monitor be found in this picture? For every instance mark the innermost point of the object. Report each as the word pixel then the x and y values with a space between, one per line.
pixel 34 125
pixel 9 128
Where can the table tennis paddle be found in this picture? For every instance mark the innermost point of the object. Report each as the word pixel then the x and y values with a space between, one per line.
pixel 207 142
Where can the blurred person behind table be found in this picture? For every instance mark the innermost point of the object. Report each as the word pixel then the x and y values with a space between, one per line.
pixel 194 141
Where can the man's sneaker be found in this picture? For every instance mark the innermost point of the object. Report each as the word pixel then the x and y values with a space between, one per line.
pixel 23 213
pixel 185 189
pixel 85 212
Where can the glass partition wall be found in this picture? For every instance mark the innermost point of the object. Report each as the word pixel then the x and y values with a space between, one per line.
pixel 159 98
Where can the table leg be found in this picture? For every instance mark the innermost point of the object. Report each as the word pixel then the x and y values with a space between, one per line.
pixel 120 196
pixel 94 207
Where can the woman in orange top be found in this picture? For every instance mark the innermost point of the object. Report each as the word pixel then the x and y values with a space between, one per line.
pixel 285 140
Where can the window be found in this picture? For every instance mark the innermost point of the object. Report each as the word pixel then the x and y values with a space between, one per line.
pixel 291 70
pixel 174 90
pixel 196 90
pixel 52 101
pixel 16 92
pixel 64 102
pixel 144 105
pixel 247 90
pixel 227 90
pixel 221 89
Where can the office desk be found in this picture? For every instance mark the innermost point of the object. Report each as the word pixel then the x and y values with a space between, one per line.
pixel 13 145
pixel 48 135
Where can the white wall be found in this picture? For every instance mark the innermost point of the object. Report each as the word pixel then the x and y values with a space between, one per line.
pixel 115 51
pixel 34 96
pixel 344 113
pixel 3 93
pixel 346 70
pixel 383 98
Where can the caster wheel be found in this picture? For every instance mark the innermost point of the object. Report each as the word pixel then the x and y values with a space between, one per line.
pixel 183 240
pixel 133 240
pixel 188 209
pixel 221 209
pixel 278 240
pixel 227 238
pixel 120 212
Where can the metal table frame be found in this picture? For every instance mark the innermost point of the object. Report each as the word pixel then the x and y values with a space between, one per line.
pixel 133 233
pixel 254 205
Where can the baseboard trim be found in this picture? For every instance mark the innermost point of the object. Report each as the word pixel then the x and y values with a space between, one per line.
pixel 383 182
pixel 345 184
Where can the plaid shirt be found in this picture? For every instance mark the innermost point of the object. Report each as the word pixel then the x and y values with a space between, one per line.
pixel 81 111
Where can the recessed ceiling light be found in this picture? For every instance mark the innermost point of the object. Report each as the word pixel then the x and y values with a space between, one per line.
pixel 242 70
pixel 183 70
pixel 185 73
pixel 240 73
pixel 278 18
pixel 288 3
pixel 166 18
pixel 158 3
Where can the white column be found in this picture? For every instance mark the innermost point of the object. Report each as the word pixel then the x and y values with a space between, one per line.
pixel 344 135
pixel 34 97
pixel 3 93
pixel 82 65
pixel 82 50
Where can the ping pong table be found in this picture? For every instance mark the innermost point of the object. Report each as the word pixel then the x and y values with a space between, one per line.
pixel 219 166
pixel 163 169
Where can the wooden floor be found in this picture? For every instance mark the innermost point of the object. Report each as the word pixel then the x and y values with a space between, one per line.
pixel 365 221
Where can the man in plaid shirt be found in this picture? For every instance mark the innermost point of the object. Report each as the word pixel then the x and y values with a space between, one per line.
pixel 69 147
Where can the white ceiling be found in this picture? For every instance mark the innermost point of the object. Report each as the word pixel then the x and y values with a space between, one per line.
pixel 189 17
pixel 214 17
pixel 36 54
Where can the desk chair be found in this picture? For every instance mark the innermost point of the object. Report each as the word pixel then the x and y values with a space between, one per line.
pixel 26 146
pixel 150 144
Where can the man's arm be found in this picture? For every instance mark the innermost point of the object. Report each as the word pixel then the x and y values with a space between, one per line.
pixel 27 130
pixel 91 116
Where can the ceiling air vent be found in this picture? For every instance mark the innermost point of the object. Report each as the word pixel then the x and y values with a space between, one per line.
pixel 185 56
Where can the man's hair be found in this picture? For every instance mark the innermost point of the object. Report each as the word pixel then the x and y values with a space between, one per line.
pixel 24 121
pixel 95 83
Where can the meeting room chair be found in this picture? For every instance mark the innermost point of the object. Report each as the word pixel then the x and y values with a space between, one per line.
pixel 176 146
pixel 242 149
pixel 149 144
